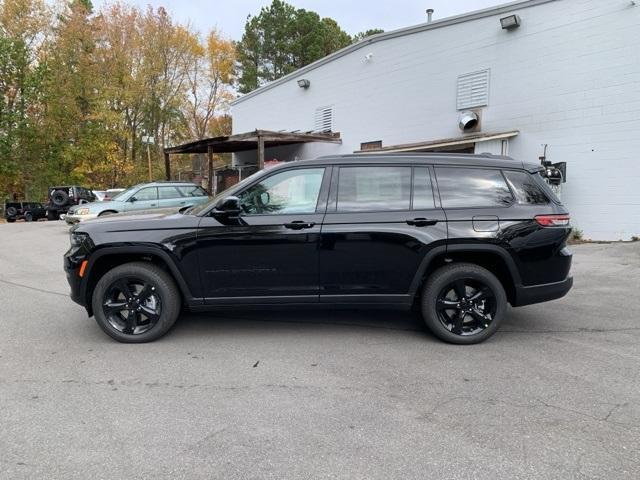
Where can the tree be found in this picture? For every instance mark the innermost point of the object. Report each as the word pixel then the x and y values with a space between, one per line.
pixel 367 33
pixel 281 39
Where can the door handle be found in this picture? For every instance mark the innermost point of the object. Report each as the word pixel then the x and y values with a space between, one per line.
pixel 421 222
pixel 299 225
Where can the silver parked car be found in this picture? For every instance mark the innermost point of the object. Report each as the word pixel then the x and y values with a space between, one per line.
pixel 145 196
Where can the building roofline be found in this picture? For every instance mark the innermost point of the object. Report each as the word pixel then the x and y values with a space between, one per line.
pixel 444 22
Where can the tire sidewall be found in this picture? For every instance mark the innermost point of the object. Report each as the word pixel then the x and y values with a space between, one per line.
pixel 165 289
pixel 446 275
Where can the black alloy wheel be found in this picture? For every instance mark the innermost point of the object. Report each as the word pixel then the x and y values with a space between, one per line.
pixel 132 306
pixel 466 306
pixel 28 217
pixel 463 303
pixel 136 302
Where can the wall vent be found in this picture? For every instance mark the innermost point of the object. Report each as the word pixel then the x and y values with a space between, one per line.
pixel 323 120
pixel 473 90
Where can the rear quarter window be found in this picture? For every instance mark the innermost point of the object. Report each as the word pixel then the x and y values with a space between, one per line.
pixel 462 187
pixel 525 188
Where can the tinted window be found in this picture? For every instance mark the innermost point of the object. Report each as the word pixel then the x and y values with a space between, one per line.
pixel 525 188
pixel 374 188
pixel 422 189
pixel 168 192
pixel 192 191
pixel 149 193
pixel 472 187
pixel 293 191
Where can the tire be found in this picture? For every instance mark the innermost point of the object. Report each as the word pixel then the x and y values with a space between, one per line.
pixel 11 211
pixel 52 215
pixel 59 198
pixel 11 220
pixel 471 320
pixel 28 217
pixel 163 301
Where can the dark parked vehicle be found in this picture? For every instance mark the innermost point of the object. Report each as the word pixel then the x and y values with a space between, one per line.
pixel 65 197
pixel 29 211
pixel 460 236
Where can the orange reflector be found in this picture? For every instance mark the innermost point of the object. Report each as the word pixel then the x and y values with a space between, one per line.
pixel 83 266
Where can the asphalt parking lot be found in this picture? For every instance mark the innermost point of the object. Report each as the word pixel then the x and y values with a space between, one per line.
pixel 348 395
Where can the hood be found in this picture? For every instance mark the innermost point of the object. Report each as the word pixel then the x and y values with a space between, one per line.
pixel 137 215
pixel 137 222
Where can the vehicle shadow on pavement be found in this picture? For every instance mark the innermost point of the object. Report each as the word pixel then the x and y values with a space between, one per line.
pixel 238 321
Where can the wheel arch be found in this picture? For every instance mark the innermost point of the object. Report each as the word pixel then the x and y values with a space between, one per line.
pixel 492 257
pixel 103 260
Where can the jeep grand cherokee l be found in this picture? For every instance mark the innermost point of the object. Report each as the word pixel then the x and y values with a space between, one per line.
pixel 458 235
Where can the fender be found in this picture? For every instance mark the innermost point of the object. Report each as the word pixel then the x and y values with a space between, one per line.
pixel 464 248
pixel 142 250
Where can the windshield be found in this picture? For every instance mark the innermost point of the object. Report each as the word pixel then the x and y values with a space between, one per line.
pixel 195 210
pixel 123 195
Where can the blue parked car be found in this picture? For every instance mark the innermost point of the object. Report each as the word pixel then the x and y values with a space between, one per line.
pixel 145 196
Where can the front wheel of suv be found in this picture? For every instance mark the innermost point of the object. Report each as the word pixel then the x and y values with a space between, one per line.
pixel 136 302
pixel 463 303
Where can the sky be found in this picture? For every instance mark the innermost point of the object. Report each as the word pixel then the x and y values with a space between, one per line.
pixel 353 16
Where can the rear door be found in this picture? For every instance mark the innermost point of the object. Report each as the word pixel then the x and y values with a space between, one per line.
pixel 170 196
pixel 381 222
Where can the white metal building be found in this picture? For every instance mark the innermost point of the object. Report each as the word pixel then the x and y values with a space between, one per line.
pixel 567 76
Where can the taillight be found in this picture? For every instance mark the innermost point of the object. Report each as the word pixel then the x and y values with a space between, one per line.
pixel 552 220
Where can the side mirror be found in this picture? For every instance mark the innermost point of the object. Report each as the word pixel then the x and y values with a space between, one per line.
pixel 132 199
pixel 229 206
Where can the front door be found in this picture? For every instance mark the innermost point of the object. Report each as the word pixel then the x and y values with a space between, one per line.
pixel 143 199
pixel 381 222
pixel 270 252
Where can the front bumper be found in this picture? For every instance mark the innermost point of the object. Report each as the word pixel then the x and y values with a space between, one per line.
pixel 72 270
pixel 542 293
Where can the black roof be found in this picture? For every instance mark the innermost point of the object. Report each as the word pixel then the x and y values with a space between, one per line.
pixel 435 158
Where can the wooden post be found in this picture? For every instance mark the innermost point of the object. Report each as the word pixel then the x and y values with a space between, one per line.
pixel 260 152
pixel 210 169
pixel 167 166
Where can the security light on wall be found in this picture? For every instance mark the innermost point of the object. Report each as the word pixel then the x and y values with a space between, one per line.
pixel 304 83
pixel 510 23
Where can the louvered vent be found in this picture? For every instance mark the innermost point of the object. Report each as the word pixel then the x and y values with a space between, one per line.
pixel 473 90
pixel 323 121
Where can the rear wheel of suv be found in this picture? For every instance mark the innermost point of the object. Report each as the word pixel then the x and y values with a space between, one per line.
pixel 463 303
pixel 28 217
pixel 11 219
pixel 136 302
pixel 52 215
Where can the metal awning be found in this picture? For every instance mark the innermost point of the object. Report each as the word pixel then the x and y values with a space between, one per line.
pixel 242 142
pixel 442 143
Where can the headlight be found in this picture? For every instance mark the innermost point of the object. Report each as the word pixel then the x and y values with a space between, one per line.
pixel 81 211
pixel 76 238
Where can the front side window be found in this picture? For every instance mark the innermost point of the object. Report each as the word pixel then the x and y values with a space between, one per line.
pixel 373 188
pixel 472 187
pixel 289 192
pixel 144 194
pixel 525 189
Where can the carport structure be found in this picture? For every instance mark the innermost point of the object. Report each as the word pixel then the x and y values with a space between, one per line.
pixel 241 142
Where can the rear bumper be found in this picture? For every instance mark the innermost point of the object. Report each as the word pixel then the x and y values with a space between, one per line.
pixel 542 293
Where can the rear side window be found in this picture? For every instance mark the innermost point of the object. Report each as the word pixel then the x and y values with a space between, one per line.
pixel 525 188
pixel 192 191
pixel 472 188
pixel 374 188
pixel 168 192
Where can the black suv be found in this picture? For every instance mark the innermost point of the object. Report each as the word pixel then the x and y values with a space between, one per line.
pixel 65 197
pixel 29 211
pixel 457 235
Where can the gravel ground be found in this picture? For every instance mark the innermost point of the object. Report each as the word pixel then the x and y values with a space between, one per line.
pixel 349 395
